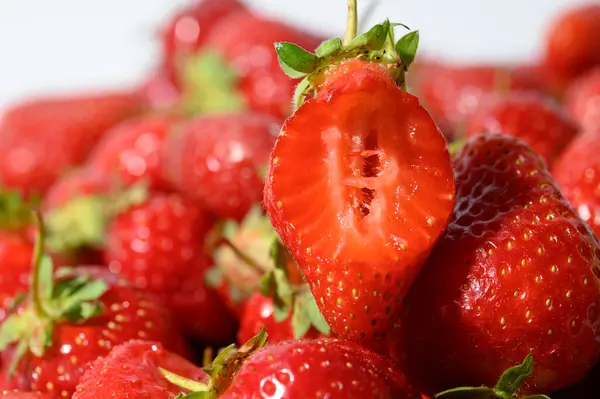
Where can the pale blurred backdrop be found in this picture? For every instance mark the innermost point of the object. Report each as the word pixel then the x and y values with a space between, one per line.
pixel 63 45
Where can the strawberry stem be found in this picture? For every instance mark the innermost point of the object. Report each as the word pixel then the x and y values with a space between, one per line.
pixel 351 22
pixel 245 258
pixel 38 254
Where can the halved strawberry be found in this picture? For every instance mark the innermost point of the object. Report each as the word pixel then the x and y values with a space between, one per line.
pixel 359 187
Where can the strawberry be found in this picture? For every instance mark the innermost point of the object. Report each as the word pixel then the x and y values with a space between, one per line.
pixel 516 272
pixel 583 100
pixel 216 160
pixel 187 30
pixel 41 139
pixel 133 151
pixel 15 264
pixel 236 69
pixel 74 184
pixel 131 370
pixel 23 395
pixel 453 93
pixel 530 117
pixel 159 246
pixel 319 368
pixel 362 219
pixel 72 318
pixel 572 41
pixel 577 173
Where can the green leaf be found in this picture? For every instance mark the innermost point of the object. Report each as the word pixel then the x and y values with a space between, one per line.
pixel 15 212
pixel 12 330
pixel 306 314
pixel 89 291
pixel 182 382
pixel 329 47
pixel 407 47
pixel 374 39
pixel 295 61
pixel 301 92
pixel 513 378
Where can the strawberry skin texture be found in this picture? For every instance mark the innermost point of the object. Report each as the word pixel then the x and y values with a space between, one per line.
pixel 583 100
pixel 133 151
pixel 577 173
pixel 453 93
pixel 572 41
pixel 245 42
pixel 188 29
pixel 258 312
pixel 530 117
pixel 130 370
pixel 319 369
pixel 159 246
pixel 362 219
pixel 516 272
pixel 15 266
pixel 129 313
pixel 41 139
pixel 23 395
pixel 216 161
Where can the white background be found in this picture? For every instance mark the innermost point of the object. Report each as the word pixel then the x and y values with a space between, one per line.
pixel 63 45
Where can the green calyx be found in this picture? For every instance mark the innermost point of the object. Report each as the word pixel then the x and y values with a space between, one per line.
pixel 210 85
pixel 221 371
pixel 71 299
pixel 15 212
pixel 507 387
pixel 377 45
pixel 242 253
pixel 82 222
pixel 295 301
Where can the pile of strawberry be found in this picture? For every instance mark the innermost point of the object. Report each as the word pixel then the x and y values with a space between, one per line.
pixel 354 240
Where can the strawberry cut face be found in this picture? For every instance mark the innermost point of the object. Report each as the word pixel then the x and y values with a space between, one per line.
pixel 360 180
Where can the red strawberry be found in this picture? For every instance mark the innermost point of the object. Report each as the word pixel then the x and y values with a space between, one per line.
pixel 133 151
pixel 131 370
pixel 237 68
pixel 377 190
pixel 41 139
pixel 23 395
pixel 70 320
pixel 453 93
pixel 530 117
pixel 216 160
pixel 517 272
pixel 159 246
pixel 577 173
pixel 15 265
pixel 572 41
pixel 319 368
pixel 583 100
pixel 77 183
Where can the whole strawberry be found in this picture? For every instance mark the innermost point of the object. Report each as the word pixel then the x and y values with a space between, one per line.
pixel 530 117
pixel 159 246
pixel 577 173
pixel 515 273
pixel 41 139
pixel 319 368
pixel 132 370
pixel 69 320
pixel 360 184
pixel 217 161
pixel 583 100
pixel 572 41
pixel 133 151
